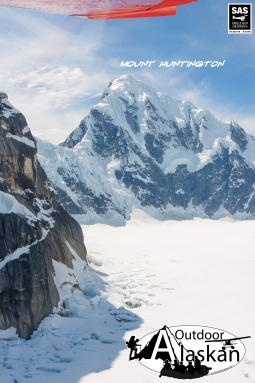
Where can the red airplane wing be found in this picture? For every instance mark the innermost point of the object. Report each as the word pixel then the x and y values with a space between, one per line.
pixel 101 9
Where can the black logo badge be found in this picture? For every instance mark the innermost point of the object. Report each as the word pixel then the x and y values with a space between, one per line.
pixel 239 18
pixel 187 352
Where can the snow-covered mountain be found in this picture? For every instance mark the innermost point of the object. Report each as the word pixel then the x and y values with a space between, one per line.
pixel 139 147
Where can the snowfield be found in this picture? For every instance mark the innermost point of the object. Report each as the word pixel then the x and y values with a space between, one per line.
pixel 140 277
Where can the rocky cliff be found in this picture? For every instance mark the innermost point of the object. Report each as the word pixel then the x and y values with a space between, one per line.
pixel 139 147
pixel 34 229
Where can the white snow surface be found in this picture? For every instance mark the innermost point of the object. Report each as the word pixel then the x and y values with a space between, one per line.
pixel 140 277
pixel 8 112
pixel 26 130
pixel 15 255
pixel 24 140
pixel 9 204
pixel 81 166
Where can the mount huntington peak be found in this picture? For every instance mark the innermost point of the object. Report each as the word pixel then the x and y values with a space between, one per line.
pixel 141 148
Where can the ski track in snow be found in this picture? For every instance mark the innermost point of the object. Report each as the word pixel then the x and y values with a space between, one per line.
pixel 140 277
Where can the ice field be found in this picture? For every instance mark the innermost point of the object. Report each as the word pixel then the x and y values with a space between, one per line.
pixel 141 277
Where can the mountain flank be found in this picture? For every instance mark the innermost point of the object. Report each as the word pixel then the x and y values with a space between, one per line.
pixel 34 229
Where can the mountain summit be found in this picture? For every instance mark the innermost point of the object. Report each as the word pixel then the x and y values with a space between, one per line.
pixel 139 147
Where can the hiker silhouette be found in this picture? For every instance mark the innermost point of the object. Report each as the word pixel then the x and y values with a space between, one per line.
pixel 132 344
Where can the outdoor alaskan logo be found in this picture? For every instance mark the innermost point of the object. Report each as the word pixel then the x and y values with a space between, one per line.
pixel 187 352
pixel 239 18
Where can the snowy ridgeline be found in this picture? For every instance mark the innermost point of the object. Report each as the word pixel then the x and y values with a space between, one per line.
pixel 142 148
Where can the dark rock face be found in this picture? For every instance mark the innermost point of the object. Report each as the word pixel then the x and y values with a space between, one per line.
pixel 76 135
pixel 238 135
pixel 105 134
pixel 152 151
pixel 28 292
pixel 34 229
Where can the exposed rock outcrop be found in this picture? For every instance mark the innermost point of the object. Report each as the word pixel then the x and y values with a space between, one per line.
pixel 34 229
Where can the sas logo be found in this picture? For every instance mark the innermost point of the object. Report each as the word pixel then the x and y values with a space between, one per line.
pixel 239 18
pixel 187 352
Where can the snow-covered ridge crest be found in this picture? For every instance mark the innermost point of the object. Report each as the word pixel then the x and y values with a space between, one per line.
pixel 139 147
pixel 8 108
pixel 23 135
pixel 25 140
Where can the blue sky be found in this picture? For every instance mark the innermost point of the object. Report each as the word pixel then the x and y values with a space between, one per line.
pixel 54 68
